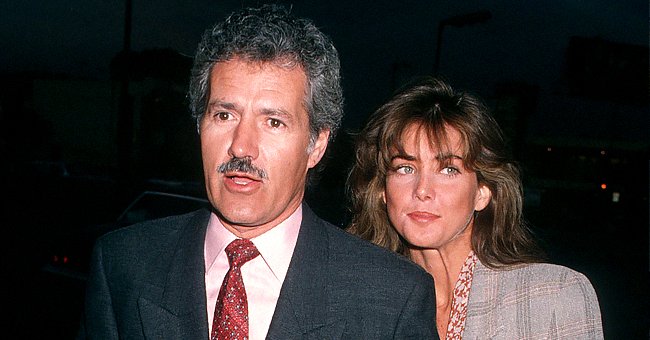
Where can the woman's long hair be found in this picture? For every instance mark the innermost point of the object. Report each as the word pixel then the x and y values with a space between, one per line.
pixel 500 236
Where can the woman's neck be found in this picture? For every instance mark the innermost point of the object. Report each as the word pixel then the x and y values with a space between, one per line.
pixel 444 265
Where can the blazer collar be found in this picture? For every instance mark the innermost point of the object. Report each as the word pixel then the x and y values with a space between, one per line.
pixel 181 307
pixel 180 310
pixel 299 309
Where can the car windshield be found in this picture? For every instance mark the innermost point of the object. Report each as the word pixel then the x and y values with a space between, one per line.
pixel 150 205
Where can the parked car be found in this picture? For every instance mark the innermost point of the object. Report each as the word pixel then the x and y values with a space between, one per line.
pixel 70 257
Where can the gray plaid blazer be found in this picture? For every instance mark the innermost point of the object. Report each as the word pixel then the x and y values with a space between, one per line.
pixel 535 301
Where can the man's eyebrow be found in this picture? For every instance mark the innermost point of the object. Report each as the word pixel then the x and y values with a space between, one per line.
pixel 276 112
pixel 218 104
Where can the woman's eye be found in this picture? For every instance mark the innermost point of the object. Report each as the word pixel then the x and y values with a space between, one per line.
pixel 448 170
pixel 404 170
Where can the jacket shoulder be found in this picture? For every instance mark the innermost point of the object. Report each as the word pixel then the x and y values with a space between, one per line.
pixel 348 250
pixel 559 302
pixel 547 274
pixel 151 231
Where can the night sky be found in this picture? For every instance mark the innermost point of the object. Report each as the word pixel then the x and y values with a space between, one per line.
pixel 381 43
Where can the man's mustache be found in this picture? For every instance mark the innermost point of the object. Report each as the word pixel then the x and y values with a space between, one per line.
pixel 245 165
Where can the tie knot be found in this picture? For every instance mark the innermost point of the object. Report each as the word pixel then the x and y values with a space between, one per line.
pixel 241 251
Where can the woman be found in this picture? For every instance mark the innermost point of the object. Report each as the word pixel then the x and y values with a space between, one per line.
pixel 433 182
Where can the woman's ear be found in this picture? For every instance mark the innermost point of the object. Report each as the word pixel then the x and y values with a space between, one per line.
pixel 483 197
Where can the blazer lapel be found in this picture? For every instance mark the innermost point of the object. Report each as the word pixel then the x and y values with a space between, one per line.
pixel 300 308
pixel 179 310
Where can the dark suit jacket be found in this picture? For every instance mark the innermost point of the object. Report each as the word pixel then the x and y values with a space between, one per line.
pixel 147 282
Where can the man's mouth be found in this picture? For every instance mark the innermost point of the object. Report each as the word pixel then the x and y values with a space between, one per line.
pixel 242 179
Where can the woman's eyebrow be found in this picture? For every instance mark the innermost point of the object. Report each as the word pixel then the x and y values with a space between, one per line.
pixel 448 156
pixel 403 156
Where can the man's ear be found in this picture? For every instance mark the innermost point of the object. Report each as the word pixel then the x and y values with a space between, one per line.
pixel 318 149
pixel 483 197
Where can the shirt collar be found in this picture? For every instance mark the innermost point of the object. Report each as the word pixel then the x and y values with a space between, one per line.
pixel 275 246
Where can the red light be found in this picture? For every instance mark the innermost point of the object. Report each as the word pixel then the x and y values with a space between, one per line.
pixel 65 259
pixel 603 186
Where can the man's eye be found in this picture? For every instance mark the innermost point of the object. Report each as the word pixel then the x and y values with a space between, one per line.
pixel 274 123
pixel 223 115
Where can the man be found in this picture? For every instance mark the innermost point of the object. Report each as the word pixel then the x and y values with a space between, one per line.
pixel 265 91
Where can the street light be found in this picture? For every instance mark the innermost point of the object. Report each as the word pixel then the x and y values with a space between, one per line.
pixel 458 21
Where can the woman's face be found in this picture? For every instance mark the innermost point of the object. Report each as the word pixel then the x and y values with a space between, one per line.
pixel 429 203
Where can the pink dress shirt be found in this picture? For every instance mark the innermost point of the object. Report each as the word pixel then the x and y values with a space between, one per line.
pixel 263 276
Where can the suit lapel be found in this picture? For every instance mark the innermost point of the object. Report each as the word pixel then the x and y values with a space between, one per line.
pixel 304 292
pixel 179 311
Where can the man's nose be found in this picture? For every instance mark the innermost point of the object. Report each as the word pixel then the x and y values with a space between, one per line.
pixel 244 141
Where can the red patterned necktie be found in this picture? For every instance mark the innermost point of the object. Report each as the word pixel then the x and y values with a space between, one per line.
pixel 231 312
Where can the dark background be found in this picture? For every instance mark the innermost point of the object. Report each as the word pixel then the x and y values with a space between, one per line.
pixel 93 107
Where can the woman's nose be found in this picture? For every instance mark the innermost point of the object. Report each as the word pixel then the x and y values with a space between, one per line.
pixel 424 189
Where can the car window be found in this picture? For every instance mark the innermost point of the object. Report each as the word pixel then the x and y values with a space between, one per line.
pixel 152 205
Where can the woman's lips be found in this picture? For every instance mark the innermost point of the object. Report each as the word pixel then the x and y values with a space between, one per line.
pixel 423 216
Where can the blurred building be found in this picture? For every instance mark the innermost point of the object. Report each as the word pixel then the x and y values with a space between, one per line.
pixel 156 136
pixel 86 124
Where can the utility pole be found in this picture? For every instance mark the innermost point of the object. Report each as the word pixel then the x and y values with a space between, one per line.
pixel 125 103
pixel 457 21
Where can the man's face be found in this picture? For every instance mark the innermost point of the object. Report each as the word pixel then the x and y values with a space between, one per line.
pixel 256 117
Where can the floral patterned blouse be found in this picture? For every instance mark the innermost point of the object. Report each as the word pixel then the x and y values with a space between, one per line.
pixel 458 312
